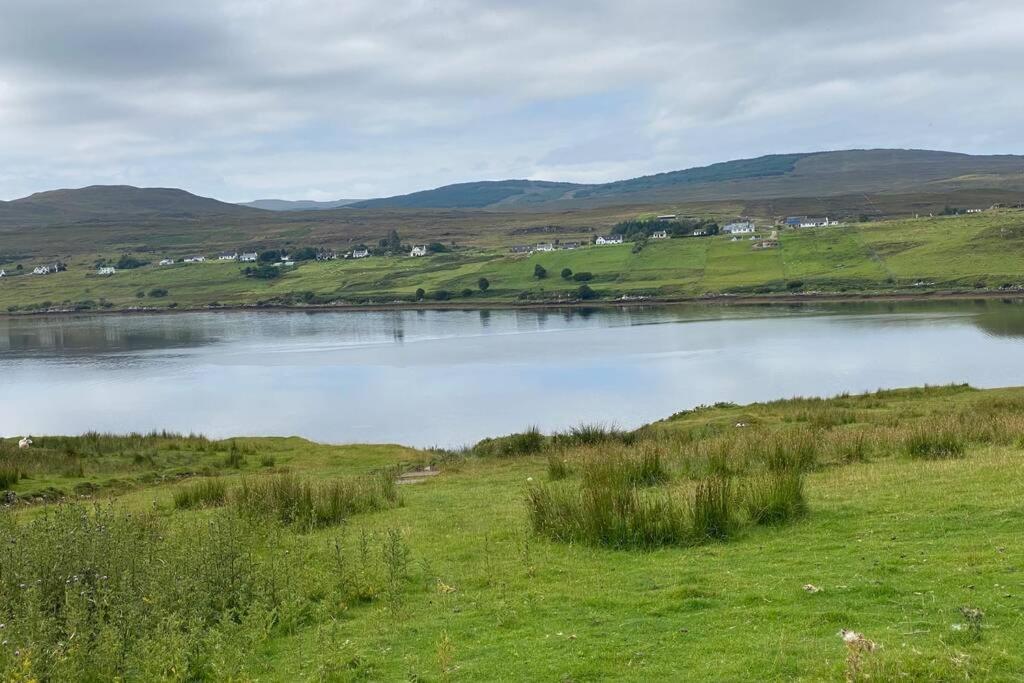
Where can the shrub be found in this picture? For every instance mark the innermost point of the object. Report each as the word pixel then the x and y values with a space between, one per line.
pixel 262 272
pixel 205 493
pixel 795 284
pixel 128 262
pixel 158 292
pixel 467 292
pixel 484 284
pixel 586 293
pixel 540 272
pixel 582 277
pixel 420 294
pixel 441 295
pixel 566 273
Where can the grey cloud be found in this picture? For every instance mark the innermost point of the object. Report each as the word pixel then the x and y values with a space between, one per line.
pixel 304 97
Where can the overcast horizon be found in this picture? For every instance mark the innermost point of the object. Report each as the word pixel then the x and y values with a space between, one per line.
pixel 303 99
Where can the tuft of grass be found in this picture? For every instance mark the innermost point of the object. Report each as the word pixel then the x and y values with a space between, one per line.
pixel 933 441
pixel 713 509
pixel 775 497
pixel 9 476
pixel 558 467
pixel 204 493
pixel 529 442
pixel 309 505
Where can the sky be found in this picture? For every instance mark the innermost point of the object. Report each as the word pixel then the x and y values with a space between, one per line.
pixel 320 99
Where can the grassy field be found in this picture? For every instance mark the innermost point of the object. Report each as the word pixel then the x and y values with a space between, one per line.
pixel 278 559
pixel 970 253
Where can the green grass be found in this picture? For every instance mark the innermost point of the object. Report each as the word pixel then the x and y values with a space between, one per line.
pixel 961 253
pixel 454 583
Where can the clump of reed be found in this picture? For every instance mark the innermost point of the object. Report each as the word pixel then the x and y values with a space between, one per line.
pixel 774 497
pixel 9 476
pixel 203 493
pixel 934 440
pixel 529 442
pixel 311 505
pixel 591 435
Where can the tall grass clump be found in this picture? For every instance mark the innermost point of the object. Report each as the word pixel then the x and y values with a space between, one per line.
pixel 558 467
pixel 775 497
pixel 714 509
pixel 9 476
pixel 622 468
pixel 529 442
pixel 592 435
pixel 309 505
pixel 934 440
pixel 204 493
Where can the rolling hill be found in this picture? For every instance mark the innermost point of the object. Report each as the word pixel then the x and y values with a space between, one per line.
pixel 815 174
pixel 114 203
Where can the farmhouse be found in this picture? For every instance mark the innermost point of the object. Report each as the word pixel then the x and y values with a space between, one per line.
pixel 248 257
pixel 106 270
pixel 360 253
pixel 195 259
pixel 167 262
pixel 609 239
pixel 570 245
pixel 740 228
pixel 419 250
pixel 545 246
pixel 521 249
pixel 228 256
pixel 659 235
pixel 667 217
pixel 808 222
pixel 43 270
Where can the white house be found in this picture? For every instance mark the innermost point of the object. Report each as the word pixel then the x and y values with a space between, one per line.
pixel 167 262
pixel 3 273
pixel 228 256
pixel 419 250
pixel 609 239
pixel 740 228
pixel 41 270
pixel 667 217
pixel 544 246
pixel 106 270
pixel 248 257
pixel 808 222
pixel 360 253
pixel 659 235
pixel 195 259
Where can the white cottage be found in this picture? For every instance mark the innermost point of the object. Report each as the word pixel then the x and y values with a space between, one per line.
pixel 419 250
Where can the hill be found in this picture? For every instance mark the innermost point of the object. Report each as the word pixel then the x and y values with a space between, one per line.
pixel 113 203
pixel 491 194
pixel 297 205
pixel 815 174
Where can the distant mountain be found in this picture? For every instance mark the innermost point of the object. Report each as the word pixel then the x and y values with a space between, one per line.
pixel 114 203
pixel 489 194
pixel 297 205
pixel 813 174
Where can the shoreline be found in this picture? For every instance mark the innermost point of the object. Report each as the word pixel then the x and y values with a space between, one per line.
pixel 706 300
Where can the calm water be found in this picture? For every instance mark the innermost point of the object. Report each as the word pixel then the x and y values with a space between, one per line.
pixel 452 377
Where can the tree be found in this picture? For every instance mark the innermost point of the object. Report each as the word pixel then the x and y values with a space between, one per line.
pixel 583 276
pixel 392 243
pixel 304 254
pixel 127 262
pixel 566 273
pixel 263 272
pixel 436 248
pixel 420 293
pixel 467 292
pixel 539 272
pixel 483 283
pixel 585 293
pixel 270 256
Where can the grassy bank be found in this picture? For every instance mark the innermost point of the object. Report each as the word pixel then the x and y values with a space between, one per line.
pixel 895 514
pixel 972 253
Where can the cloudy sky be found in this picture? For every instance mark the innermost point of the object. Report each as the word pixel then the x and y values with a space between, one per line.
pixel 324 99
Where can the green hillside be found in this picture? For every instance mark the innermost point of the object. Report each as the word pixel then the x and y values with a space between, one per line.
pixel 475 195
pixel 975 253
pixel 733 553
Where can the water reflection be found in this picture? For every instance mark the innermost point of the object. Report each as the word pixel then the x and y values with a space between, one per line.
pixel 450 377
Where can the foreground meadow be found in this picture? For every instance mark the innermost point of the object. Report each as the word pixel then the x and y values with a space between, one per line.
pixel 743 540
